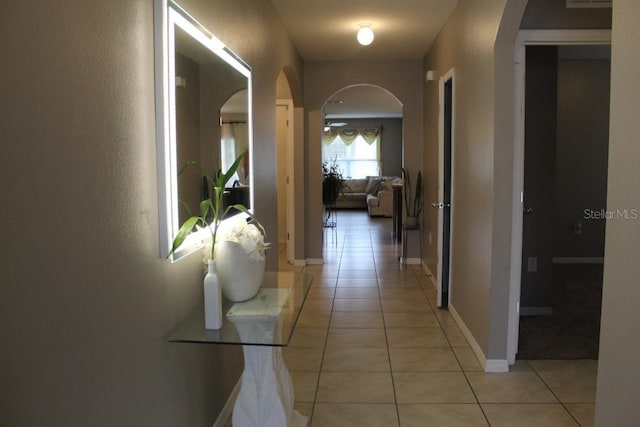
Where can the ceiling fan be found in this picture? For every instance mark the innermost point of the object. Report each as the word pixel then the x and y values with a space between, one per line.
pixel 329 124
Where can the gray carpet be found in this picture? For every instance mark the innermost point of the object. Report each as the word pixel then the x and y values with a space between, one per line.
pixel 573 331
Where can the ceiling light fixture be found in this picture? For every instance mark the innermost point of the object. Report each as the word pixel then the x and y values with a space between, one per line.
pixel 365 35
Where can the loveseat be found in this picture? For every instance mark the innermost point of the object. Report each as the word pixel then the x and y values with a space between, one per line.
pixel 373 193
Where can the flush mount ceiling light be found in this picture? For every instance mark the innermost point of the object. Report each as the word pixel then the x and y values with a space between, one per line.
pixel 365 35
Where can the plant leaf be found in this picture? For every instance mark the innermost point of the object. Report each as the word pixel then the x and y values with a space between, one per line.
pixel 201 171
pixel 182 234
pixel 234 167
pixel 205 205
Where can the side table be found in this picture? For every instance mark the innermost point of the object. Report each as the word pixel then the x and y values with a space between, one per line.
pixel 262 325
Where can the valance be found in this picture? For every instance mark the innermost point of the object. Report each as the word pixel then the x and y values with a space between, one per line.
pixel 348 135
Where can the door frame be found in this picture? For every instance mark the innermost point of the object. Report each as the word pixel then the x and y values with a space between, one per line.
pixel 290 209
pixel 449 75
pixel 527 38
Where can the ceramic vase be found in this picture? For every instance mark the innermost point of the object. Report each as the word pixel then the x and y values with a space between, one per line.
pixel 240 277
pixel 212 298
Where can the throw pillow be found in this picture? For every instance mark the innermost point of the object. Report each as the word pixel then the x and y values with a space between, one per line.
pixel 372 185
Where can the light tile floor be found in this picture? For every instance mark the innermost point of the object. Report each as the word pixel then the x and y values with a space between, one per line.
pixel 372 349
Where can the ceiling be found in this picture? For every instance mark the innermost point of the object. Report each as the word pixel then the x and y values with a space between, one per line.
pixel 326 31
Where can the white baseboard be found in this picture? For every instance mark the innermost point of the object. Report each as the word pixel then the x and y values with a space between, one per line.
pixel 496 366
pixel 299 263
pixel 411 261
pixel 314 261
pixel 490 365
pixel 579 260
pixel 536 311
pixel 224 417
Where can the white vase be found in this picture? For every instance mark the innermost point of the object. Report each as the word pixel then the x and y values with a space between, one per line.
pixel 212 298
pixel 240 277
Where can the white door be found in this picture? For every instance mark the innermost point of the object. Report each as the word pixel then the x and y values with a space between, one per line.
pixel 286 206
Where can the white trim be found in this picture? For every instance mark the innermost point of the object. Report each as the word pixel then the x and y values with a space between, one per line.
pixel 449 75
pixel 224 417
pixel 536 311
pixel 562 37
pixel 299 263
pixel 475 347
pixel 496 366
pixel 314 261
pixel 411 261
pixel 530 37
pixel 579 260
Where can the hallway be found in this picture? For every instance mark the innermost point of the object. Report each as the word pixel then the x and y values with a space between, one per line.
pixel 372 349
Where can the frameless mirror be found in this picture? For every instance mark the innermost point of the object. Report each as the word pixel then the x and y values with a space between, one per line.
pixel 203 93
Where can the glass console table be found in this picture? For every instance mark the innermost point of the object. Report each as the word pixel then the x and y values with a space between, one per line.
pixel 262 325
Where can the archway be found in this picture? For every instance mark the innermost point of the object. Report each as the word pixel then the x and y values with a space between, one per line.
pixel 362 139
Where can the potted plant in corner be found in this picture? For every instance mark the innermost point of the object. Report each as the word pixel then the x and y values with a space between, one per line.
pixel 332 182
pixel 212 212
pixel 412 201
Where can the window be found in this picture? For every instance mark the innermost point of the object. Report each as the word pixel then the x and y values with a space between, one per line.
pixel 356 151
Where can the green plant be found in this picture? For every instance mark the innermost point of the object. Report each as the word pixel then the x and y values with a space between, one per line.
pixel 412 202
pixel 333 182
pixel 212 207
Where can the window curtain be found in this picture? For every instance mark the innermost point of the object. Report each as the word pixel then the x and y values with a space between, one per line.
pixel 348 135
pixel 228 149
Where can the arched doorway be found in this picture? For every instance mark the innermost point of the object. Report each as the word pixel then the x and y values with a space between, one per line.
pixel 362 137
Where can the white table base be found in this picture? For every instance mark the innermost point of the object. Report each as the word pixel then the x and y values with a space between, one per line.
pixel 266 391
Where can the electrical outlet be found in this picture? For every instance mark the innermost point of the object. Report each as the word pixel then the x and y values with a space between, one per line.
pixel 532 264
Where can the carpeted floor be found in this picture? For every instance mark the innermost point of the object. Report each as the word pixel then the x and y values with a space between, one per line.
pixel 573 330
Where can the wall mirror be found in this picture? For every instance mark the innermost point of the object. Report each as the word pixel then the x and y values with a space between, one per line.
pixel 203 97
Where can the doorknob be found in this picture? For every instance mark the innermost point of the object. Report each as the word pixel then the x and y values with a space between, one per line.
pixel 440 205
pixel 527 210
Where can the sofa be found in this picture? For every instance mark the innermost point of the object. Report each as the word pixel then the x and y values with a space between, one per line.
pixel 373 193
pixel 380 203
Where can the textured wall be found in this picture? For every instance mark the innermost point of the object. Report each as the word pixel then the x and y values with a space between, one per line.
pixel 86 304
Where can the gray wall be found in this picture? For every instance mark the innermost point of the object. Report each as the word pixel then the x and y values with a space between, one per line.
pixel 581 161
pixel 619 359
pixel 541 99
pixel 478 42
pixel 567 125
pixel 553 14
pixel 86 304
pixel 403 79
